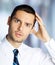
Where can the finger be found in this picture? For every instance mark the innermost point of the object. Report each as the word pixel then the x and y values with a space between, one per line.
pixel 38 18
pixel 37 34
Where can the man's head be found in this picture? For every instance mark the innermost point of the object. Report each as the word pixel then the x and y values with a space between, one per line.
pixel 21 23
pixel 25 8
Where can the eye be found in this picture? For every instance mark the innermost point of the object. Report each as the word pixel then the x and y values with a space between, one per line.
pixel 27 24
pixel 16 20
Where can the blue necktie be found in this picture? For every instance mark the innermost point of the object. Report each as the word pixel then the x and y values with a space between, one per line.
pixel 15 61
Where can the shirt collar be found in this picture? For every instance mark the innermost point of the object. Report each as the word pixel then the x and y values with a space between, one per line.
pixel 8 48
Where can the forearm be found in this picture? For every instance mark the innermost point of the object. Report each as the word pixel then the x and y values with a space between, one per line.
pixel 50 45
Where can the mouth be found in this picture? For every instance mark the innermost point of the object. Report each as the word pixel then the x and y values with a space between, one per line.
pixel 18 34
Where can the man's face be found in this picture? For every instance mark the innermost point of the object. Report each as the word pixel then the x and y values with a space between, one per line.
pixel 20 26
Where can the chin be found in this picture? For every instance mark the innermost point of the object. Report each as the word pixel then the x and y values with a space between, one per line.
pixel 18 41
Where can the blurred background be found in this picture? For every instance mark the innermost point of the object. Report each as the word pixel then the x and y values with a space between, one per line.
pixel 45 8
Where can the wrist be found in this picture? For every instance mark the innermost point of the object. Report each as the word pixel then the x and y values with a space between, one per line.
pixel 47 39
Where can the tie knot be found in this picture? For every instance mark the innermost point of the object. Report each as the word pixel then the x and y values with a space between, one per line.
pixel 15 51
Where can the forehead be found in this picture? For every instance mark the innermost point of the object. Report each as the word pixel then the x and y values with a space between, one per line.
pixel 24 15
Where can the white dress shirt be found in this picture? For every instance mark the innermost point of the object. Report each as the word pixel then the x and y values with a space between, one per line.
pixel 27 55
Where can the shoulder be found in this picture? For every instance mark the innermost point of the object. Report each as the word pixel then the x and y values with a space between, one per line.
pixel 34 51
pixel 0 44
pixel 36 54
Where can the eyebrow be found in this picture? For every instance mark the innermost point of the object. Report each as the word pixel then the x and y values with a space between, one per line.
pixel 20 21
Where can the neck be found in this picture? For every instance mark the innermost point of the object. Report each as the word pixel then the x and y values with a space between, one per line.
pixel 13 43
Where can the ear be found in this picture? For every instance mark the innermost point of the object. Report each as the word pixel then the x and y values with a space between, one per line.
pixel 9 20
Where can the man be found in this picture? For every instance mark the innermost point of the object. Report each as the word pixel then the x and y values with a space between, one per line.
pixel 12 49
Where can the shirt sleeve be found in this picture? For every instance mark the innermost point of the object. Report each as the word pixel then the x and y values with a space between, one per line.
pixel 42 58
pixel 50 45
pixel 46 60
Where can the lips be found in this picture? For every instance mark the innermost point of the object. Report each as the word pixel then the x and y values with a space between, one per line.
pixel 18 34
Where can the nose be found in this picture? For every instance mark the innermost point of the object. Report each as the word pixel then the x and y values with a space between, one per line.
pixel 20 28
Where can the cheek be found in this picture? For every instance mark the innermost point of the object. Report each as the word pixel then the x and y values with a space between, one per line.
pixel 26 35
pixel 27 32
pixel 11 29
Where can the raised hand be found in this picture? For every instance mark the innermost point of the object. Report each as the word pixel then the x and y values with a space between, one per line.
pixel 42 32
